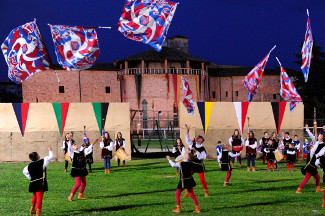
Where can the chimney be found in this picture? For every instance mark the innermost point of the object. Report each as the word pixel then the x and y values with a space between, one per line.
pixel 178 43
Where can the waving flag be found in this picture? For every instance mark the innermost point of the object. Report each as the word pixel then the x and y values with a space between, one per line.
pixel 253 78
pixel 282 143
pixel 147 21
pixel 76 47
pixel 25 52
pixel 85 139
pixel 288 90
pixel 188 99
pixel 306 50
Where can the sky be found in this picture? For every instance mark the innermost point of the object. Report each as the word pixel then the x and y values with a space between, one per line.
pixel 231 32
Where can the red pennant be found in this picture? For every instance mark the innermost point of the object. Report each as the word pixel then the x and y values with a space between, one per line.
pixel 244 109
pixel 282 108
pixel 64 113
pixel 24 114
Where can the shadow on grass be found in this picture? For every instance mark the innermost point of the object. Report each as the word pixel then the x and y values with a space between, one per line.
pixel 269 181
pixel 253 204
pixel 136 193
pixel 111 208
pixel 133 167
pixel 293 188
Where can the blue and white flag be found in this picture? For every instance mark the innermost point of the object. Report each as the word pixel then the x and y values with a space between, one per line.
pixel 25 52
pixel 306 50
pixel 147 21
pixel 76 47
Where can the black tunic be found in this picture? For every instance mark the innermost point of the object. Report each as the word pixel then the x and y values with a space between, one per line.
pixel 177 153
pixel 119 143
pixel 291 158
pixel 236 142
pixel 264 144
pixel 249 150
pixel 225 161
pixel 271 155
pixel 310 166
pixel 286 145
pixel 200 166
pixel 79 165
pixel 275 143
pixel 186 180
pixel 36 171
pixel 105 152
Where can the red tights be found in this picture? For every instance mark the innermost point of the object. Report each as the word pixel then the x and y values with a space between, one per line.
pixel 178 196
pixel 292 165
pixel 306 179
pixel 80 181
pixel 38 198
pixel 202 179
pixel 268 165
pixel 228 175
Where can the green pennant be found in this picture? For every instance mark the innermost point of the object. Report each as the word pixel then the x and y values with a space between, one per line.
pixel 98 111
pixel 57 111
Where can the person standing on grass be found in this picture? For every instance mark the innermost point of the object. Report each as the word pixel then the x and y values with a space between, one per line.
pixel 65 149
pixel 178 149
pixel 270 154
pixel 263 143
pixel 79 170
pixel 291 157
pixel 224 161
pixel 275 145
pixel 286 142
pixel 296 145
pixel 316 152
pixel 218 148
pixel 200 155
pixel 237 142
pixel 120 143
pixel 305 146
pixel 107 147
pixel 186 181
pixel 251 145
pixel 89 157
pixel 36 173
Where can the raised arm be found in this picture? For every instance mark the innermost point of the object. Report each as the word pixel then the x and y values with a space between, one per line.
pixel 172 163
pixel 312 137
pixel 187 136
pixel 48 158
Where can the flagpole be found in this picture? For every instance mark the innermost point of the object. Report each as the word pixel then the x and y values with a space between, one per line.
pixel 104 27
pixel 272 48
pixel 307 12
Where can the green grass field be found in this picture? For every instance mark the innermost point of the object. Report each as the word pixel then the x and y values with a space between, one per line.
pixel 145 187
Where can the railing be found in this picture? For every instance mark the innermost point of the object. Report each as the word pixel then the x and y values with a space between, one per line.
pixel 180 71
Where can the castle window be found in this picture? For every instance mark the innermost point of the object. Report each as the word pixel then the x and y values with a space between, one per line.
pixel 236 93
pixel 213 94
pixel 274 96
pixel 61 89
pixel 108 89
pixel 226 93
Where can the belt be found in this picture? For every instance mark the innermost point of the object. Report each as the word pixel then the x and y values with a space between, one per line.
pixel 79 168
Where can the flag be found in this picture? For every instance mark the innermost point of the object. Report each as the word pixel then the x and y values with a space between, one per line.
pixel 25 52
pixel 76 47
pixel 288 90
pixel 188 97
pixel 147 21
pixel 103 131
pixel 85 138
pixel 306 50
pixel 253 78
pixel 282 143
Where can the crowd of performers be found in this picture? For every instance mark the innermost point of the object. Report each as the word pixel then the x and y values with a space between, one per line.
pixel 229 153
pixel 191 162
pixel 79 157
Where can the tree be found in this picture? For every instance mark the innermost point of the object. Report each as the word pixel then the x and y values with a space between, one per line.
pixel 312 92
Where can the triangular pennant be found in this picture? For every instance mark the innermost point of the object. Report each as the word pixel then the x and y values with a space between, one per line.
pixel 64 113
pixel 275 109
pixel 201 108
pixel 208 109
pixel 244 109
pixel 21 112
pixel 100 110
pixel 104 107
pixel 57 111
pixel 282 108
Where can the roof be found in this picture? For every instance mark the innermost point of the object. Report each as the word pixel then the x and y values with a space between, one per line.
pixel 165 53
pixel 97 67
pixel 237 71
pixel 178 36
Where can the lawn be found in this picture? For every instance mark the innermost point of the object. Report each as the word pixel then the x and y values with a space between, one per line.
pixel 147 187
